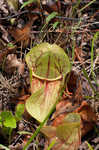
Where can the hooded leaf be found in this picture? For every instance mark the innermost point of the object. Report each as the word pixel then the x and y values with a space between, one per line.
pixel 48 66
pixel 48 61
pixel 67 134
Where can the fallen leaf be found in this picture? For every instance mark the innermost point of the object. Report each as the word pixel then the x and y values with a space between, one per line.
pixel 62 109
pixel 12 63
pixel 79 54
pixel 13 4
pixel 51 6
pixel 23 35
pixel 6 51
pixel 88 117
pixel 73 87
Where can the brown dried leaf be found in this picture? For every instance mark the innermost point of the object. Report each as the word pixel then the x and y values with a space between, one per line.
pixel 88 117
pixel 23 35
pixel 79 54
pixel 74 88
pixel 62 108
pixel 12 63
pixel 51 6
pixel 5 52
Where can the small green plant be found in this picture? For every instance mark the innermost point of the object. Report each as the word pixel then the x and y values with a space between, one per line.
pixel 48 19
pixel 96 35
pixel 19 112
pixel 10 45
pixel 28 2
pixel 95 93
pixel 55 25
pixel 89 146
pixel 51 144
pixel 8 121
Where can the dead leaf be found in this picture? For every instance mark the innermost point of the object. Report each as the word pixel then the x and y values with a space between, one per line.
pixel 51 6
pixel 74 87
pixel 12 63
pixel 88 117
pixel 62 108
pixel 23 35
pixel 78 54
pixel 6 51
pixel 23 98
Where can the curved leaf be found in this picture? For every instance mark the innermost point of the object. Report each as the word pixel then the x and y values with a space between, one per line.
pixel 43 98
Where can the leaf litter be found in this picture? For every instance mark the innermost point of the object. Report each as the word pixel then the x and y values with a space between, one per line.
pixel 15 73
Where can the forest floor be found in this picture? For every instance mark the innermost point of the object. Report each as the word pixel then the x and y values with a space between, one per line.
pixel 72 25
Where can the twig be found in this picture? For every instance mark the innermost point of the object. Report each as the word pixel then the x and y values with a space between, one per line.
pixel 39 13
